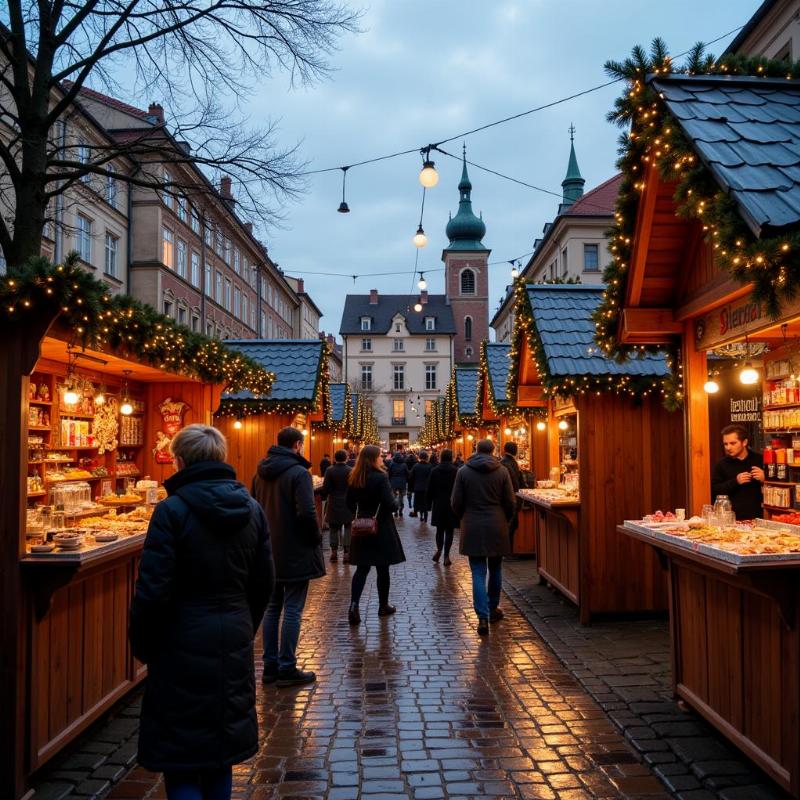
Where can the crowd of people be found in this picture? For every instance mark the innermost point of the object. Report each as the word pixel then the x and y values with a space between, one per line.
pixel 219 561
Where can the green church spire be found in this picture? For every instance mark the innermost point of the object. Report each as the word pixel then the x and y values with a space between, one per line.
pixel 572 185
pixel 465 230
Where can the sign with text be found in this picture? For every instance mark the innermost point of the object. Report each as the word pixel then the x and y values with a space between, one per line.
pixel 172 412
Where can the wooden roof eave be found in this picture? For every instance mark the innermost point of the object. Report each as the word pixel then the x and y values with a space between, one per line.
pixel 530 392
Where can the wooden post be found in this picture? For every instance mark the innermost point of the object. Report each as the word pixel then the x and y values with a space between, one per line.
pixel 698 458
pixel 18 356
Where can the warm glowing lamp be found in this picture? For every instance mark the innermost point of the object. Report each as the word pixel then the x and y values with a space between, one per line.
pixel 563 425
pixel 428 175
pixel 748 375
pixel 711 386
pixel 540 426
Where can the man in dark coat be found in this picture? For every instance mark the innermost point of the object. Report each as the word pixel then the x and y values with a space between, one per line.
pixel 483 500
pixel 509 461
pixel 398 479
pixel 284 488
pixel 334 490
pixel 419 477
pixel 411 460
pixel 324 464
pixel 740 474
pixel 440 488
pixel 207 540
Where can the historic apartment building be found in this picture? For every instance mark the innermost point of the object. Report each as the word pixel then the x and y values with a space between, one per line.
pixel 773 31
pixel 573 246
pixel 401 359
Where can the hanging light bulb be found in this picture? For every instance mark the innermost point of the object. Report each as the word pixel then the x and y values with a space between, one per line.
pixel 422 283
pixel 343 207
pixel 238 424
pixel 305 431
pixel 470 437
pixel 748 375
pixel 514 270
pixel 100 397
pixel 507 431
pixel 417 306
pixel 126 408
pixel 563 425
pixel 71 396
pixel 428 175
pixel 710 386
pixel 540 426
pixel 420 239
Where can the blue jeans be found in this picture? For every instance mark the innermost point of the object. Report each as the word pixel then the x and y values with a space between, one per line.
pixel 484 602
pixel 207 784
pixel 289 598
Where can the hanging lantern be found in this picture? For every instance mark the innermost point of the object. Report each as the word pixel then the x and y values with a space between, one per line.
pixel 748 375
pixel 420 239
pixel 711 386
pixel 428 175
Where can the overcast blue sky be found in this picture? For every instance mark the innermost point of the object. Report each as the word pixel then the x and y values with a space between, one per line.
pixel 424 71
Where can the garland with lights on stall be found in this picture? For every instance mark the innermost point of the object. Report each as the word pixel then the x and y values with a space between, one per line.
pixel 101 321
pixel 250 406
pixel 772 264
pixel 670 387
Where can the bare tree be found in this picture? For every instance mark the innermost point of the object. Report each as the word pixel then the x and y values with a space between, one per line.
pixel 190 52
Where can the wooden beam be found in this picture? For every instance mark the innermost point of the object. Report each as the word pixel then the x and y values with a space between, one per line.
pixel 641 242
pixel 649 326
pixel 720 290
pixel 531 397
pixel 696 423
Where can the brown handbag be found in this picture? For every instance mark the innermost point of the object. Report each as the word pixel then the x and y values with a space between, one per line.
pixel 365 526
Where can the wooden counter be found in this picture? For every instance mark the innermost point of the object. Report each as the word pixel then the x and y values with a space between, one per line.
pixel 76 611
pixel 735 631
pixel 525 534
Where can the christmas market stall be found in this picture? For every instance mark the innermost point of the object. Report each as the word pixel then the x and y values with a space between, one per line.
pixel 334 436
pixel 298 399
pixel 95 387
pixel 467 425
pixel 707 257
pixel 509 424
pixel 437 428
pixel 614 450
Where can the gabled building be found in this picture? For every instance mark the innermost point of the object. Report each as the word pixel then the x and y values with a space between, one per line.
pixel 773 32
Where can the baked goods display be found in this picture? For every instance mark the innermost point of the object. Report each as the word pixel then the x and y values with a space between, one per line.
pixel 553 496
pixel 127 499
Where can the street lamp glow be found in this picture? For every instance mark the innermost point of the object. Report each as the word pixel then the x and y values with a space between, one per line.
pixel 428 175
pixel 420 239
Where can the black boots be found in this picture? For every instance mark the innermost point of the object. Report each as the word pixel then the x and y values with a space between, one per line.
pixel 353 614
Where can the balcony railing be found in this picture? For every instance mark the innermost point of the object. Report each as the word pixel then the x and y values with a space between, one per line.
pixel 398 420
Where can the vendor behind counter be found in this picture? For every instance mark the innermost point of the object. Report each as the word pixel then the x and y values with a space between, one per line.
pixel 739 474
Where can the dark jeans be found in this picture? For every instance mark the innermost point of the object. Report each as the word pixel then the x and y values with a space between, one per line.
pixel 207 784
pixel 444 537
pixel 398 494
pixel 289 598
pixel 335 529
pixel 484 601
pixel 360 579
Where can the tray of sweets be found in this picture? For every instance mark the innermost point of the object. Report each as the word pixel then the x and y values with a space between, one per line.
pixel 756 543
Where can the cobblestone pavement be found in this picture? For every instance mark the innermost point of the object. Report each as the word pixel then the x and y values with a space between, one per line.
pixel 418 706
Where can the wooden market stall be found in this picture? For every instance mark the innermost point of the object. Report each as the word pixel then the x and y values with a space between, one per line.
pixel 608 436
pixel 707 257
pixel 335 435
pixel 299 398
pixel 94 389
pixel 467 427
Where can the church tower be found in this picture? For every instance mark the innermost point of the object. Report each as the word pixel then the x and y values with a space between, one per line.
pixel 572 185
pixel 466 274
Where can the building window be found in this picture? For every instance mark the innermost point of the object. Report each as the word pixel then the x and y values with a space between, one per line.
pixel 430 324
pixel 209 280
pixel 111 255
pixel 366 377
pixel 244 308
pixel 111 187
pixel 237 302
pixel 253 316
pixel 366 324
pixel 366 344
pixel 591 259
pixel 195 323
pixel 168 247
pixel 429 407
pixel 564 262
pixel 218 292
pixel 85 238
pixel 226 251
pixel 85 157
pixel 468 352
pixel 181 263
pixel 468 329
pixel 183 208
pixel 398 412
pixel 227 295
pixel 181 315
pixel 397 327
pixel 237 261
pixel 208 234
pixel 195 276
pixel 166 179
pixel 168 308
pixel 263 331
pixel 209 329
pixel 430 376
pixel 219 241
pixel 430 344
pixel 398 345
pixel 467 282
pixel 399 377
pixel 195 220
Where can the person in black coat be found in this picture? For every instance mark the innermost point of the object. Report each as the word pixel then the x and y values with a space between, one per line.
pixel 324 464
pixel 283 487
pixel 334 490
pixel 509 461
pixel 398 480
pixel 208 540
pixel 420 475
pixel 411 460
pixel 369 495
pixel 440 488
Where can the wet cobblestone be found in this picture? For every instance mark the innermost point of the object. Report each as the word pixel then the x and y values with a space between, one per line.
pixel 418 706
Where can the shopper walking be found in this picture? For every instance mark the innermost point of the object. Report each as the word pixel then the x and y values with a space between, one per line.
pixel 483 500
pixel 411 460
pixel 509 461
pixel 398 480
pixel 440 489
pixel 370 495
pixel 206 541
pixel 420 475
pixel 334 492
pixel 283 487
pixel 324 464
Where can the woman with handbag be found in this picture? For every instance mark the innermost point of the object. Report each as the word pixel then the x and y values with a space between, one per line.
pixel 374 541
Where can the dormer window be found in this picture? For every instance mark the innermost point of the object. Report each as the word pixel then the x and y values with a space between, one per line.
pixel 366 323
pixel 430 323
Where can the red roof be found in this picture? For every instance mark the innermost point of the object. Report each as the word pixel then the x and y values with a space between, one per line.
pixel 599 201
pixel 111 101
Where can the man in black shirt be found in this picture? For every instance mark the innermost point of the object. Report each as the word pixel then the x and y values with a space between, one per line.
pixel 739 474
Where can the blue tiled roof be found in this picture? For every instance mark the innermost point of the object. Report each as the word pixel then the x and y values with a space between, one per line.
pixel 354 401
pixel 338 395
pixel 747 132
pixel 562 315
pixel 498 364
pixel 295 362
pixel 467 390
